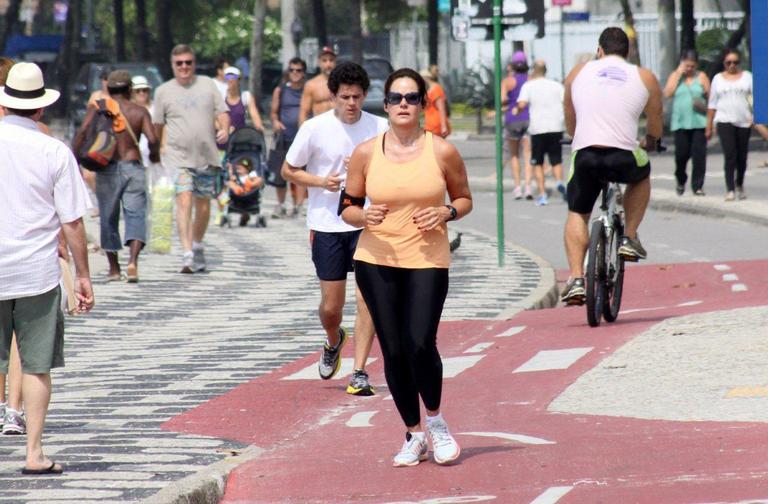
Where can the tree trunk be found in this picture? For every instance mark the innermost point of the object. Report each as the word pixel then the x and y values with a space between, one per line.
pixel 667 39
pixel 318 11
pixel 629 20
pixel 356 31
pixel 287 18
pixel 67 72
pixel 117 6
pixel 9 22
pixel 164 37
pixel 142 34
pixel 432 30
pixel 257 47
pixel 688 25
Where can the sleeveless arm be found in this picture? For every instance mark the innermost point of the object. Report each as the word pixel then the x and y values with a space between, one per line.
pixel 355 186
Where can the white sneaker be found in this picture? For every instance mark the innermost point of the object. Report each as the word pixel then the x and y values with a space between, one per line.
pixel 198 258
pixel 186 262
pixel 445 449
pixel 414 450
pixel 517 193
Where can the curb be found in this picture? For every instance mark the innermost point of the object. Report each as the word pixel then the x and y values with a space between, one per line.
pixel 749 211
pixel 206 486
pixel 546 295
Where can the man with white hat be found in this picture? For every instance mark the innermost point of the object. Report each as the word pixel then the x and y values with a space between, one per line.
pixel 42 193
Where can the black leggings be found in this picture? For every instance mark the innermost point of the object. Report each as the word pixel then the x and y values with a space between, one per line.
pixel 735 142
pixel 406 305
pixel 691 143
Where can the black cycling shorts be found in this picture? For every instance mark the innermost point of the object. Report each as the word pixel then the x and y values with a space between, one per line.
pixel 592 165
pixel 332 253
pixel 546 144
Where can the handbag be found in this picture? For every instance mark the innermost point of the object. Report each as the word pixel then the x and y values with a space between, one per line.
pixel 699 106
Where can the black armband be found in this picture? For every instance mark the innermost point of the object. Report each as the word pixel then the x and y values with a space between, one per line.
pixel 346 200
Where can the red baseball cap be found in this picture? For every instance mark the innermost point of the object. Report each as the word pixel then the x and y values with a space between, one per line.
pixel 327 50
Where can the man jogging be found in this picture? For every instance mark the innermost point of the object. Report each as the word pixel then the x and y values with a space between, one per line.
pixel 323 145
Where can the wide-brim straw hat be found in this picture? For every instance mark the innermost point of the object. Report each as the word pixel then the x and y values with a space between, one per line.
pixel 25 89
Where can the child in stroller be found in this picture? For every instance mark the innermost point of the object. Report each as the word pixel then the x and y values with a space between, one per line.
pixel 244 186
pixel 245 176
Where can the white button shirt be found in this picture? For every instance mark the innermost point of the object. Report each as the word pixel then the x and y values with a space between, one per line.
pixel 40 188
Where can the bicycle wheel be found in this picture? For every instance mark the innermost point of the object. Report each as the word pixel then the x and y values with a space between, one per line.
pixel 595 278
pixel 614 274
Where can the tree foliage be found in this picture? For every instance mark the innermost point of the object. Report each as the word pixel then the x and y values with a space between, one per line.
pixel 229 34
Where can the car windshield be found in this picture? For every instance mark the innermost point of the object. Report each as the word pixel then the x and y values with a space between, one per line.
pixel 377 69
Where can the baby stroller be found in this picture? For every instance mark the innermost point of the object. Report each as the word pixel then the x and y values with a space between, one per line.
pixel 245 143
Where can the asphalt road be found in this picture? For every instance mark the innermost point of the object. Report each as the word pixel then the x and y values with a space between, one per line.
pixel 668 237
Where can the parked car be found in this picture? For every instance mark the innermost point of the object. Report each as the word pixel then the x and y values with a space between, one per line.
pixel 88 81
pixel 378 69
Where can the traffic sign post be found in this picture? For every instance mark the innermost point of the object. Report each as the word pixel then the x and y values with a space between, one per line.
pixel 499 153
pixel 759 55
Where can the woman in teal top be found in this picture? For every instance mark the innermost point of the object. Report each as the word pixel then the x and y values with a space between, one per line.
pixel 690 89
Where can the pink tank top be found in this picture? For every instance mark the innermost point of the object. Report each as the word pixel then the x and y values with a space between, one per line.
pixel 608 96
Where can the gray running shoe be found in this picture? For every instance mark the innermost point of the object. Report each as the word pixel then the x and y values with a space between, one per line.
pixel 358 384
pixel 14 422
pixel 198 259
pixel 186 262
pixel 631 250
pixel 279 212
pixel 574 293
pixel 330 360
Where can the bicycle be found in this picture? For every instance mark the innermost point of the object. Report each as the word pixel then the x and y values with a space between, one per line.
pixel 604 279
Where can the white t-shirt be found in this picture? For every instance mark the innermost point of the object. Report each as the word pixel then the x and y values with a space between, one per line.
pixel 545 101
pixel 221 86
pixel 321 145
pixel 731 100
pixel 41 188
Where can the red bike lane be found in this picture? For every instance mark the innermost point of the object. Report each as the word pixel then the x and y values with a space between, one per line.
pixel 322 445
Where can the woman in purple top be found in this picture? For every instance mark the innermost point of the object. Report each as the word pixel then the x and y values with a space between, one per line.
pixel 516 122
pixel 240 102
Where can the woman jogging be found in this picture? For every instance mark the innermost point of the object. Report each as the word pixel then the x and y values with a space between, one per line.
pixel 402 257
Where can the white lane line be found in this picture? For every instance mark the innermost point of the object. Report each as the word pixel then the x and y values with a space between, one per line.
pixel 453 366
pixel 310 372
pixel 730 277
pixel 478 348
pixel 722 267
pixel 656 308
pixel 508 436
pixel 739 287
pixel 389 398
pixel 511 331
pixel 690 303
pixel 551 495
pixel 361 419
pixel 547 360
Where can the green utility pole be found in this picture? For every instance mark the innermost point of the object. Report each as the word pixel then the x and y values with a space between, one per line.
pixel 499 137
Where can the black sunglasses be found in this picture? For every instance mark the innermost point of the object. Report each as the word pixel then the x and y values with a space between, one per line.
pixel 296 70
pixel 397 98
pixel 731 62
pixel 179 63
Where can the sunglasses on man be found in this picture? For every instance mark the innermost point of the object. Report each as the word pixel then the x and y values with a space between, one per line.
pixel 179 63
pixel 397 98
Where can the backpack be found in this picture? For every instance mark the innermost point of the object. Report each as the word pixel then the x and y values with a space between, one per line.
pixel 100 144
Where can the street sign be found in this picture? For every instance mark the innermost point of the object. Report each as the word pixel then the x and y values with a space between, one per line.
pixel 443 6
pixel 575 16
pixel 523 18
pixel 759 53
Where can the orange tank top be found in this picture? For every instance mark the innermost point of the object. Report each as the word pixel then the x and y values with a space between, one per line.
pixel 405 188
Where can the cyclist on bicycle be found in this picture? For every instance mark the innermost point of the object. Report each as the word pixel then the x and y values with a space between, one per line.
pixel 604 99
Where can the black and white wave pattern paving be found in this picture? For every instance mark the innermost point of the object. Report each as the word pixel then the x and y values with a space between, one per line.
pixel 161 347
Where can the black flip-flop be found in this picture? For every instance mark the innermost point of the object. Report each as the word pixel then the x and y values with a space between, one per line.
pixel 52 469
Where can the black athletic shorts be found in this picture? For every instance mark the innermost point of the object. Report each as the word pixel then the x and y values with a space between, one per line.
pixel 332 253
pixel 591 165
pixel 549 144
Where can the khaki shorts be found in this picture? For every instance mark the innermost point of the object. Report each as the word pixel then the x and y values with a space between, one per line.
pixel 39 326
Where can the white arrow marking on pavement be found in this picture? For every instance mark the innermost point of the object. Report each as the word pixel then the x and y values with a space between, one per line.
pixel 730 277
pixel 453 366
pixel 738 288
pixel 310 372
pixel 511 331
pixel 655 308
pixel 520 438
pixel 478 348
pixel 553 359
pixel 722 267
pixel 552 495
pixel 361 419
